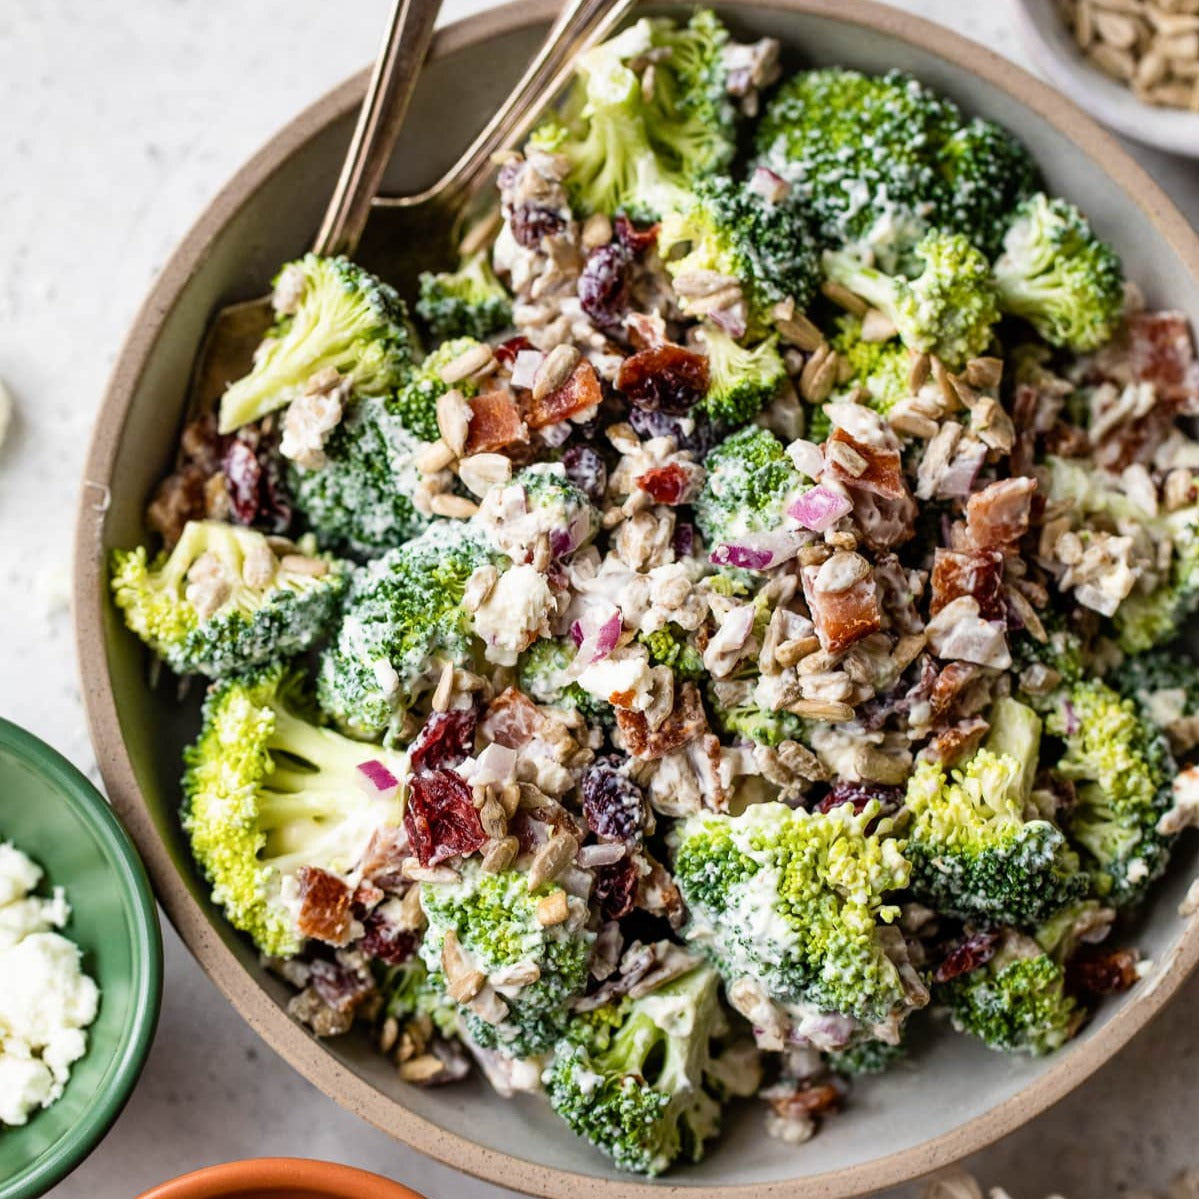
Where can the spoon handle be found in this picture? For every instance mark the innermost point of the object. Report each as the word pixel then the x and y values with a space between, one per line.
pixel 580 24
pixel 384 107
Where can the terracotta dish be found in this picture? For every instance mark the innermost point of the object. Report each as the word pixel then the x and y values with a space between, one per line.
pixel 955 1096
pixel 280 1178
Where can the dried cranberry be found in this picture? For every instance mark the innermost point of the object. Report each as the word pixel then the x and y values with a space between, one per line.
pixel 860 794
pixel 696 437
pixel 635 240
pixel 445 739
pixel 243 475
pixel 386 941
pixel 666 484
pixel 613 804
pixel 342 988
pixel 531 222
pixel 254 481
pixel 683 541
pixel 440 817
pixel 615 888
pixel 968 954
pixel 587 471
pixel 603 286
pixel 664 378
pixel 1103 971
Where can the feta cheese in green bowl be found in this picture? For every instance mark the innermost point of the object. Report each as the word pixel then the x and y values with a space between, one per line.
pixel 54 817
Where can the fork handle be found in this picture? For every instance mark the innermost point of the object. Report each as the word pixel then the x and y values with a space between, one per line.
pixel 580 24
pixel 392 82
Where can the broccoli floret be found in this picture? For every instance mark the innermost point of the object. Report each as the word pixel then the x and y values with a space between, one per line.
pixel 494 920
pixel 1146 619
pixel 1062 652
pixel 881 368
pixel 741 380
pixel 415 403
pixel 795 901
pixel 1164 685
pixel 974 850
pixel 195 609
pixel 636 148
pixel 867 1057
pixel 329 314
pixel 1057 274
pixel 558 506
pixel 948 309
pixel 402 620
pixel 542 674
pixel 762 726
pixel 266 792
pixel 671 646
pixel 748 483
pixel 468 302
pixel 880 160
pixel 730 229
pixel 409 993
pixel 1121 770
pixel 989 173
pixel 1016 1003
pixel 642 1080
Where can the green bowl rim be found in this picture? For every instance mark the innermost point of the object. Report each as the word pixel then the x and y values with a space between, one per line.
pixel 92 808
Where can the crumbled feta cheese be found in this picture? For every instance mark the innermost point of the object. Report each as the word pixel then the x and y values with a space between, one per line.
pixel 515 613
pixel 623 673
pixel 45 998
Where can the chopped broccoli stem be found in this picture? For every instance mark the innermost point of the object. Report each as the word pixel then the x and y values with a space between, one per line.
pixel 194 608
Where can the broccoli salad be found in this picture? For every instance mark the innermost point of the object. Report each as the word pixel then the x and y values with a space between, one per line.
pixel 726 624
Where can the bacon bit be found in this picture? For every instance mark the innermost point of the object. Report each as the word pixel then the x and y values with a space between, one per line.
pixel 445 739
pixel 1067 441
pixel 949 685
pixel 1161 353
pixel 512 719
pixel 366 896
pixel 580 392
pixel 842 617
pixel 341 988
pixel 976 572
pixel 813 1099
pixel 505 353
pixel 952 745
pixel 1025 404
pixel 494 423
pixel 665 378
pixel 667 484
pixel 685 722
pixel 998 516
pixel 387 941
pixel 635 240
pixel 657 893
pixel 440 817
pixel 1103 971
pixel 325 903
pixel 384 859
pixel 883 475
pixel 615 889
pixel 1137 440
pixel 968 954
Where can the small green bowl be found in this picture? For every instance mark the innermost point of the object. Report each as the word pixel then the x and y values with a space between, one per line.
pixel 52 813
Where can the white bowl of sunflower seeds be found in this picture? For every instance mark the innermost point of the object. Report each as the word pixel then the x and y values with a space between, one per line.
pixel 1133 63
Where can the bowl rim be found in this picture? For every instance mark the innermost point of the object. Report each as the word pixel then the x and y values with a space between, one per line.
pixel 1174 130
pixel 303 1052
pixel 90 807
pixel 281 1177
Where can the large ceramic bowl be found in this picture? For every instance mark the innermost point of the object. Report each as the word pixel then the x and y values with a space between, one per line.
pixel 51 812
pixel 956 1096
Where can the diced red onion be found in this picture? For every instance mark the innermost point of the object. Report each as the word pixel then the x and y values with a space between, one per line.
pixel 377 780
pixel 1071 718
pixel 759 551
pixel 957 481
pixel 596 632
pixel 819 508
pixel 731 320
pixel 743 556
pixel 525 367
pixel 768 185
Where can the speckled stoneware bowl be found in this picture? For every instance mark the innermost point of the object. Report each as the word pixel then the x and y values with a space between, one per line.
pixel 955 1096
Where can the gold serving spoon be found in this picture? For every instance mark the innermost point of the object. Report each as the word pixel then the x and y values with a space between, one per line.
pixel 411 233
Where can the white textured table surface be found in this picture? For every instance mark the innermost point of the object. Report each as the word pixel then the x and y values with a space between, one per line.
pixel 118 122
